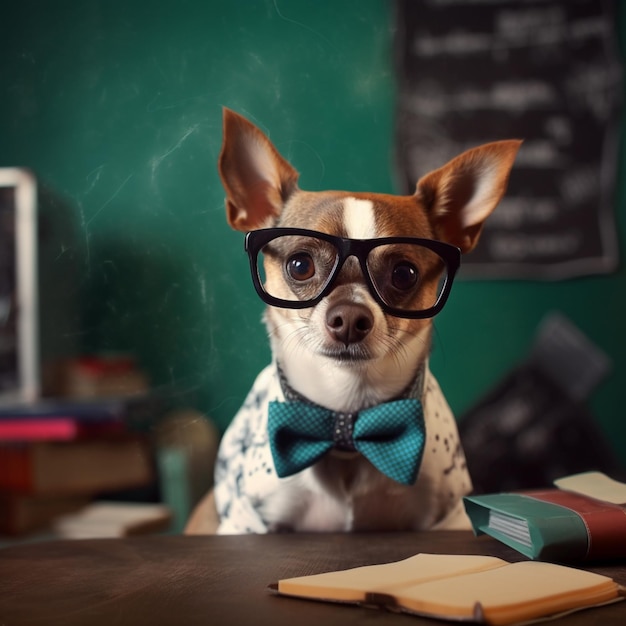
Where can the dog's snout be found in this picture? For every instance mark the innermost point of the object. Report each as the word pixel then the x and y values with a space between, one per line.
pixel 349 322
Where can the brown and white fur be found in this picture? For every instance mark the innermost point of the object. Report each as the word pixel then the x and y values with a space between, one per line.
pixel 344 491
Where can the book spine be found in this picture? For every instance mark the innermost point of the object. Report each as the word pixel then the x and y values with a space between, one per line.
pixel 22 429
pixel 59 429
pixel 16 468
pixel 605 523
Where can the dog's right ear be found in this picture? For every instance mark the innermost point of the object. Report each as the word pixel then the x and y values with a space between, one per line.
pixel 257 180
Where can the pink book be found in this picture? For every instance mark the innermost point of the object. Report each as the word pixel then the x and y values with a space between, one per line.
pixel 53 429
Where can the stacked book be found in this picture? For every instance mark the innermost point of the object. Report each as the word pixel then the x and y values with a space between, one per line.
pixel 57 456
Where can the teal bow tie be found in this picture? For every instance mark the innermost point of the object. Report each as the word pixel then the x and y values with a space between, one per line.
pixel 391 436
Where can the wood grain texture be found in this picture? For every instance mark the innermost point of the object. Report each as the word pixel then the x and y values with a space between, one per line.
pixel 218 579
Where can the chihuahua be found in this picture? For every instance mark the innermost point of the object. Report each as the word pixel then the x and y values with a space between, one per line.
pixel 347 429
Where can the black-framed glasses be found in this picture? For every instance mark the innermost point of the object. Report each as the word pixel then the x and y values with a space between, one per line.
pixel 295 268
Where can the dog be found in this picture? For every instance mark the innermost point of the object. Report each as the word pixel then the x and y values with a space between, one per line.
pixel 351 282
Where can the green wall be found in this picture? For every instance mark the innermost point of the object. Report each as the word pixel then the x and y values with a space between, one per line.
pixel 116 106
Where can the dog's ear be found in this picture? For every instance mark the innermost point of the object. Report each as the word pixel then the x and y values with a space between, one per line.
pixel 255 176
pixel 459 196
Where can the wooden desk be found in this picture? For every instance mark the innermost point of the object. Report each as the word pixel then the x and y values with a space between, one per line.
pixel 219 580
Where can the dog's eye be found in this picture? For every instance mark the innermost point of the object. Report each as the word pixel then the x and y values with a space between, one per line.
pixel 404 276
pixel 300 266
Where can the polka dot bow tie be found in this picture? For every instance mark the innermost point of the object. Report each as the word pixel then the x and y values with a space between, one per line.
pixel 391 436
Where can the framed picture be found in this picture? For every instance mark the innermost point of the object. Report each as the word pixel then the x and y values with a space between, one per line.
pixel 19 352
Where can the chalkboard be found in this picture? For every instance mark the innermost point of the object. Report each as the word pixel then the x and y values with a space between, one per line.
pixel 547 72
pixel 116 107
pixel 534 425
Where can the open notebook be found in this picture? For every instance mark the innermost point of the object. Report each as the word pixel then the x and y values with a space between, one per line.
pixel 461 587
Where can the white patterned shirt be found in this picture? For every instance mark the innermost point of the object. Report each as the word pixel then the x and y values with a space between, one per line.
pixel 251 498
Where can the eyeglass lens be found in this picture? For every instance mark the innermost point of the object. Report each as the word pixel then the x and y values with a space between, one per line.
pixel 406 276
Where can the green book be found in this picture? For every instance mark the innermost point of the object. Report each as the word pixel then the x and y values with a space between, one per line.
pixel 583 518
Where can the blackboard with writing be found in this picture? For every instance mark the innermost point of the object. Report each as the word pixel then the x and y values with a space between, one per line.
pixel 547 72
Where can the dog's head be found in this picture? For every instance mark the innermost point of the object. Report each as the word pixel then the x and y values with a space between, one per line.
pixel 353 280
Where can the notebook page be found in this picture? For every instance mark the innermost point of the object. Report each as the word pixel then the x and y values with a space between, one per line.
pixel 595 485
pixel 352 585
pixel 517 592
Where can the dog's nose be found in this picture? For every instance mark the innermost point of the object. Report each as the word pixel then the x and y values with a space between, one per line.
pixel 349 322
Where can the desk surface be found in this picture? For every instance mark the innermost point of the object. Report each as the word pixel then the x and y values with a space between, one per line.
pixel 219 580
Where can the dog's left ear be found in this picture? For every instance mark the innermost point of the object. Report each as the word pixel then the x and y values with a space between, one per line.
pixel 257 179
pixel 459 196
